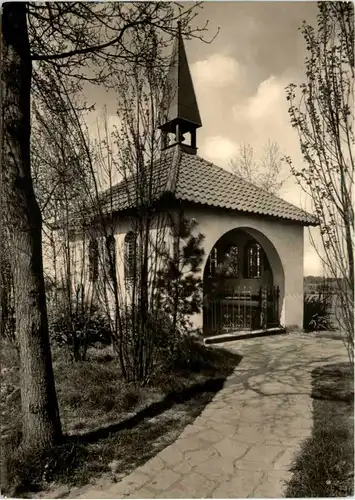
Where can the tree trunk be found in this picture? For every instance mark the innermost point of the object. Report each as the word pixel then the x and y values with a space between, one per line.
pixel 41 422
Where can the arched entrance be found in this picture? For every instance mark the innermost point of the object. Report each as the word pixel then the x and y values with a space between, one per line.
pixel 243 284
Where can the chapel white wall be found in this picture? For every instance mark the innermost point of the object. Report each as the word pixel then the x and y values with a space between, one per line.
pixel 280 237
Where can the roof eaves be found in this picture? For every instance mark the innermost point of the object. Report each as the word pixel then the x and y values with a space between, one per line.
pixel 309 221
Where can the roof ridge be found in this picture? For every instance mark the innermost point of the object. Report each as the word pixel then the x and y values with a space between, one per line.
pixel 174 171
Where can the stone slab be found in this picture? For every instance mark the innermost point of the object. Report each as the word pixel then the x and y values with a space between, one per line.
pixel 164 480
pixel 241 485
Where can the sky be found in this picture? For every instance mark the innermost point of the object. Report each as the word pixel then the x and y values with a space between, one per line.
pixel 240 81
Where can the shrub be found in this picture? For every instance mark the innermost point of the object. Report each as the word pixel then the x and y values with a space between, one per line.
pixel 78 325
pixel 317 311
pixel 141 343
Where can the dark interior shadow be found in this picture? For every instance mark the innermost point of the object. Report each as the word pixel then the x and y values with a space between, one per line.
pixel 210 386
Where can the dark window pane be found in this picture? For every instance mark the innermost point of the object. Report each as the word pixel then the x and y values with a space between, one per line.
pixel 254 260
pixel 93 260
pixel 212 262
pixel 130 255
pixel 231 262
pixel 110 257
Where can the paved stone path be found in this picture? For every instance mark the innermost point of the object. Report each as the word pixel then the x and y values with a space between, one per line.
pixel 244 441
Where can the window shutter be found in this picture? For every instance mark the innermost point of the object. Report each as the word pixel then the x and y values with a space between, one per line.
pixel 110 257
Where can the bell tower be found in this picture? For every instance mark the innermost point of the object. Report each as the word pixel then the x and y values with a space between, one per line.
pixel 180 116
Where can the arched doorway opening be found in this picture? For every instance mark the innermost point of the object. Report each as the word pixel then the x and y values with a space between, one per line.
pixel 243 284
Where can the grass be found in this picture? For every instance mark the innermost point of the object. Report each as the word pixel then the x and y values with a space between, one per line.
pixel 110 426
pixel 325 465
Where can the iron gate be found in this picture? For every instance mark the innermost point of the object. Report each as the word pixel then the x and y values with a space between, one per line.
pixel 241 310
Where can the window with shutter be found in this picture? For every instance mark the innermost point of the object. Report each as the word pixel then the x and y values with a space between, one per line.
pixel 130 255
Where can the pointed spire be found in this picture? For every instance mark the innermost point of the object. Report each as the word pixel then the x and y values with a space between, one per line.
pixel 180 113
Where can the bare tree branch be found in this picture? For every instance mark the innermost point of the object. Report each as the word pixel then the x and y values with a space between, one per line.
pixel 324 120
pixel 265 173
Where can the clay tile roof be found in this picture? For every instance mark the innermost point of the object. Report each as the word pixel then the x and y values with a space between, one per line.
pixel 203 182
pixel 124 194
pixel 189 177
